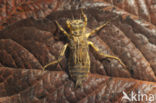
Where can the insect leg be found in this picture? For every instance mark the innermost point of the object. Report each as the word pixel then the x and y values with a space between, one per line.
pixel 61 28
pixel 59 59
pixel 85 17
pixel 105 55
pixel 96 29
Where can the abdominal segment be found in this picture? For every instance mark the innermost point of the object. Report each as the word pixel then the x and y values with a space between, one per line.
pixel 78 72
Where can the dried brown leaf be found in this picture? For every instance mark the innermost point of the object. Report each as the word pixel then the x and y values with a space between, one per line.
pixel 144 9
pixel 15 10
pixel 14 55
pixel 47 87
pixel 133 43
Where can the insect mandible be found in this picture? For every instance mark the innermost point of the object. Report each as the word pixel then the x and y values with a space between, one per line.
pixel 79 59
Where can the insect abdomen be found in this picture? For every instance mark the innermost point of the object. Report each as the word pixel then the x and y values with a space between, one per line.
pixel 79 64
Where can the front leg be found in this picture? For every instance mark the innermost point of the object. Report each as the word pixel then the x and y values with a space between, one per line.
pixel 97 29
pixel 85 17
pixel 59 59
pixel 100 27
pixel 105 55
pixel 61 28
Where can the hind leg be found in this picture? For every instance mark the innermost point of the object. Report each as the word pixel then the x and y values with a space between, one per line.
pixel 105 55
pixel 59 59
